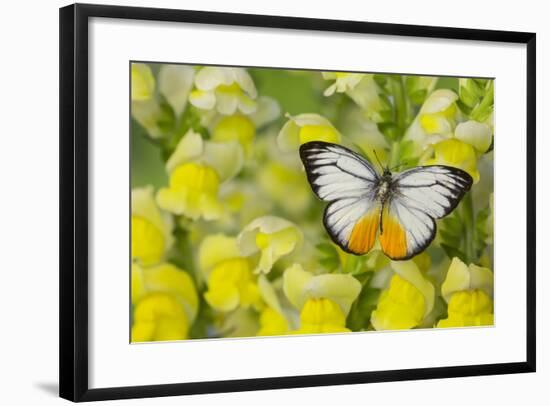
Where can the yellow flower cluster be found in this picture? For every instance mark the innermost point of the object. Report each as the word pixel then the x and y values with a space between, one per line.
pixel 229 240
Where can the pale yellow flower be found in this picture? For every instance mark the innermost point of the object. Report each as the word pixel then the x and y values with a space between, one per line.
pixel 165 278
pixel 159 317
pixel 242 128
pixel 285 185
pixel 478 135
pixel 197 168
pixel 305 128
pixel 324 301
pixel 455 153
pixel 226 158
pixel 367 95
pixel 435 121
pixel 175 84
pixel 228 90
pixel 231 284
pixel 151 229
pixel 165 303
pixel 193 192
pixel 462 277
pixel 230 280
pixel 143 82
pixel 273 320
pixel 343 81
pixel 407 301
pixel 468 291
pixel 272 237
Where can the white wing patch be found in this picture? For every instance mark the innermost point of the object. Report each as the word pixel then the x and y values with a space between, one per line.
pixel 346 180
pixel 422 195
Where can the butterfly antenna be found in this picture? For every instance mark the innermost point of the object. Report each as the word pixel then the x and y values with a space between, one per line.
pixel 378 159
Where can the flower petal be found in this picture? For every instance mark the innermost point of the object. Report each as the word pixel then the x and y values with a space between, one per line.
pixel 190 147
pixel 457 279
pixel 227 158
pixel 295 280
pixel 478 135
pixel 166 278
pixel 409 271
pixel 175 83
pixel 215 249
pixel 147 113
pixel 144 205
pixel 245 82
pixel 202 99
pixel 210 77
pixel 268 294
pixel 267 111
pixel 342 289
pixel 267 225
pixel 438 101
pixel 143 82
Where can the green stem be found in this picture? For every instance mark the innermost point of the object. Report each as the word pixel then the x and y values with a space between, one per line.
pixel 394 154
pixel 401 107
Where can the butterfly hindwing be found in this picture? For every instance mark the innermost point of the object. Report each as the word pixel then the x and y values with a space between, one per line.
pixel 419 196
pixel 348 182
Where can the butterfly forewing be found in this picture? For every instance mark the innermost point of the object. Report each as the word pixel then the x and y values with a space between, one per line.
pixel 419 196
pixel 348 182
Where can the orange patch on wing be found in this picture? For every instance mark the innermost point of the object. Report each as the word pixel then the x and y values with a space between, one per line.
pixel 392 238
pixel 363 234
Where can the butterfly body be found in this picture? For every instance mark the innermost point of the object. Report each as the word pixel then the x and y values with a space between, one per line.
pixel 399 209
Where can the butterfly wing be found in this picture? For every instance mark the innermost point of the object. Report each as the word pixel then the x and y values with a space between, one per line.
pixel 348 182
pixel 419 196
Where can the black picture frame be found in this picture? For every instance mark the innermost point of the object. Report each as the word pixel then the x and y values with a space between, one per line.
pixel 73 278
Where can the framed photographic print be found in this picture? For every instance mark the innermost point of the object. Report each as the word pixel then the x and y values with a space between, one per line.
pixel 255 202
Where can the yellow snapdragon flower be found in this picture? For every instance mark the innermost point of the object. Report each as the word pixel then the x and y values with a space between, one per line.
pixel 231 283
pixel 453 152
pixel 406 302
pixel 272 323
pixel 159 317
pixel 367 95
pixel 469 308
pixel 439 120
pixel 272 237
pixel 324 301
pixel 435 121
pixel 143 82
pixel 279 181
pixel 343 81
pixel 151 229
pixel 468 291
pixel 305 128
pixel 226 89
pixel 242 127
pixel 175 84
pixel 197 168
pixel 236 127
pixel 273 320
pixel 165 302
pixel 193 192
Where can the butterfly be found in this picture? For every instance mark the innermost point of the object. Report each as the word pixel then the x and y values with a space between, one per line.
pixel 400 208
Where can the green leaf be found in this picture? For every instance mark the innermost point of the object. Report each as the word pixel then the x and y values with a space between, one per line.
pixel 452 252
pixel 359 316
pixel 418 97
pixel 329 258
